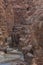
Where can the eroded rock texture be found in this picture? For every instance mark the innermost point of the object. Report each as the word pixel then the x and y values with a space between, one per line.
pixel 23 19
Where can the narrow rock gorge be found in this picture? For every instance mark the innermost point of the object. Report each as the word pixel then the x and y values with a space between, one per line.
pixel 21 27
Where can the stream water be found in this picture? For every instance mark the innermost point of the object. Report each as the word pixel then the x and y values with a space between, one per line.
pixel 6 59
pixel 5 64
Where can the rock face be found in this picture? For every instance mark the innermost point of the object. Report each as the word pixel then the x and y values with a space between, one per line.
pixel 12 10
pixel 38 36
pixel 24 20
